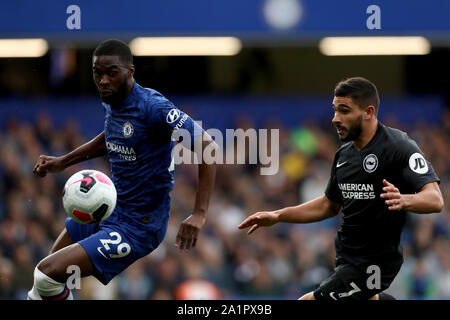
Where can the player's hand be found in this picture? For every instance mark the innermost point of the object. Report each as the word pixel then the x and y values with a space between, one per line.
pixel 47 164
pixel 188 232
pixel 394 199
pixel 259 219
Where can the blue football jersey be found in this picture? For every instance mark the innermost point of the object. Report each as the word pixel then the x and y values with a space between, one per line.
pixel 139 141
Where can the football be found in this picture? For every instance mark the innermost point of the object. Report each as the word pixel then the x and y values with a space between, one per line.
pixel 89 196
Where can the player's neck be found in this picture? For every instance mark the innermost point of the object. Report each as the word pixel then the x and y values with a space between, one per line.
pixel 366 135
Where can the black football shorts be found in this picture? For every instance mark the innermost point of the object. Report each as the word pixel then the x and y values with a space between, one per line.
pixel 348 282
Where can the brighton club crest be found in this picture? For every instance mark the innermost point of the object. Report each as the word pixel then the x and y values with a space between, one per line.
pixel 370 163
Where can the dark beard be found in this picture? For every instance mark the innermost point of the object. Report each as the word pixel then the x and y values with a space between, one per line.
pixel 354 131
pixel 116 98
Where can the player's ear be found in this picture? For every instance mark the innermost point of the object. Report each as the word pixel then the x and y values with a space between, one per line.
pixel 131 70
pixel 369 112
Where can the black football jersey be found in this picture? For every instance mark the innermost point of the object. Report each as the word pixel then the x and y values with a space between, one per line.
pixel 370 232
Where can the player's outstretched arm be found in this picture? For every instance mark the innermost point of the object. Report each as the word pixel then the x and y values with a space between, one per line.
pixel 312 211
pixel 191 226
pixel 92 149
pixel 427 200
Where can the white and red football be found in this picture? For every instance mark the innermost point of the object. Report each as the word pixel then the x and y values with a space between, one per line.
pixel 89 196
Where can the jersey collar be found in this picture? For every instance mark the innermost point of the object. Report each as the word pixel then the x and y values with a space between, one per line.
pixel 374 138
pixel 130 97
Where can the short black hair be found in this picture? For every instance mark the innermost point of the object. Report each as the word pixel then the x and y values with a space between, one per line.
pixel 114 47
pixel 362 91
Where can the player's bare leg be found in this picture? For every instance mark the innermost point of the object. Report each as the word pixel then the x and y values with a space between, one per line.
pixel 62 241
pixel 50 275
pixel 308 296
pixel 56 264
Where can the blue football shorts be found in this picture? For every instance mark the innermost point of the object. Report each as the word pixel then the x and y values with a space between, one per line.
pixel 113 246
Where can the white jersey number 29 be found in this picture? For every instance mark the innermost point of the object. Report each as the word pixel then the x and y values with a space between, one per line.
pixel 123 249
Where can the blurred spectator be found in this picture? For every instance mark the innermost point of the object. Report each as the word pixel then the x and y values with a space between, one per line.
pixel 24 268
pixel 421 283
pixel 7 290
pixel 196 289
pixel 134 283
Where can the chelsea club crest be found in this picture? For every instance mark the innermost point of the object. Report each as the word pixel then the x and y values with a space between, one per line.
pixel 127 129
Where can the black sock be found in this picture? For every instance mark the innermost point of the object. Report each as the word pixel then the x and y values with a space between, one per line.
pixel 385 296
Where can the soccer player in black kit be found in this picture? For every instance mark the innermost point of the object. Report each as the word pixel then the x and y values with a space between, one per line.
pixel 377 176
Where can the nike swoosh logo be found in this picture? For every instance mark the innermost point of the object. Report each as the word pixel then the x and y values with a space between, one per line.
pixel 332 295
pixel 98 249
pixel 340 164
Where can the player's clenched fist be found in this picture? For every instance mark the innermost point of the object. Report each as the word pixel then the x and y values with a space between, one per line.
pixel 47 164
pixel 259 219
pixel 392 195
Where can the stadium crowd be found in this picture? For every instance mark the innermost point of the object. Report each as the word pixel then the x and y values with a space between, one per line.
pixel 281 262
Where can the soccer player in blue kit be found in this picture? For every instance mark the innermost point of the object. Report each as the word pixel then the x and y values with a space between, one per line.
pixel 139 126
